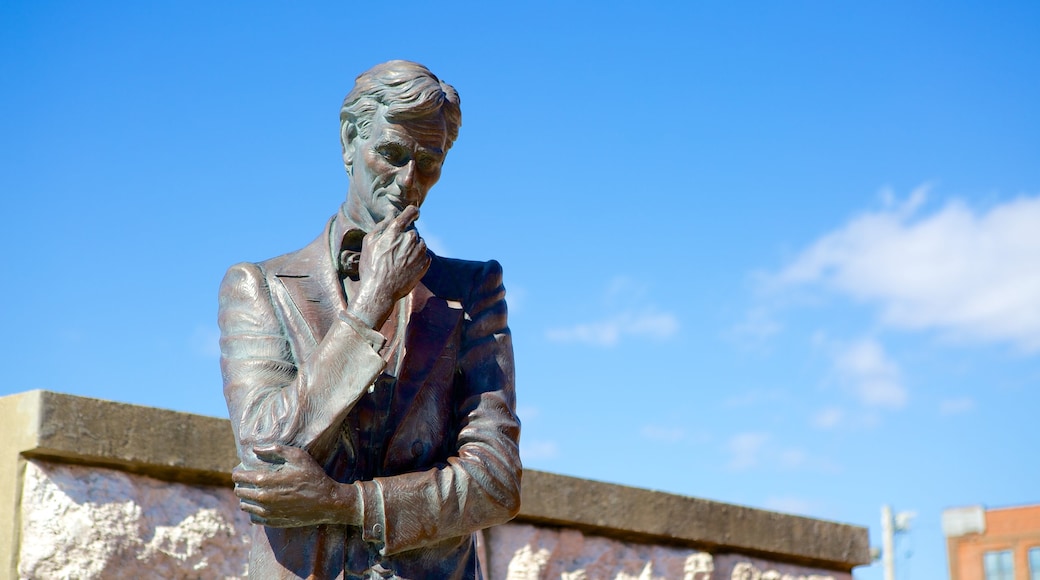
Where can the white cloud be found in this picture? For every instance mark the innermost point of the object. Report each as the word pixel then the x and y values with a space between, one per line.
pixel 970 274
pixel 647 324
pixel 744 449
pixel 864 371
pixel 663 434
pixel 864 368
pixel 956 406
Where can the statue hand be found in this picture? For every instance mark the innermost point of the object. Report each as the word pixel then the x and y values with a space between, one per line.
pixel 393 260
pixel 292 491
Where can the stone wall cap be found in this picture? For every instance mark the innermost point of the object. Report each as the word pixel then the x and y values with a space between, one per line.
pixel 644 515
pixel 165 444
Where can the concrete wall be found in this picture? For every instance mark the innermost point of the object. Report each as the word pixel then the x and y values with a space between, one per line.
pixel 95 489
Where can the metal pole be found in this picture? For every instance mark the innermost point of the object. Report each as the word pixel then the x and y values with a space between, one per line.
pixel 888 557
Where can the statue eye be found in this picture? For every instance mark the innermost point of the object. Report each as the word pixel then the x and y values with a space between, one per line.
pixel 426 163
pixel 394 154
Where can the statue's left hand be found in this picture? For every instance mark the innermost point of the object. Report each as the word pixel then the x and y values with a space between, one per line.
pixel 292 490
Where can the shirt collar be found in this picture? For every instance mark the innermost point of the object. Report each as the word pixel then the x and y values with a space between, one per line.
pixel 339 239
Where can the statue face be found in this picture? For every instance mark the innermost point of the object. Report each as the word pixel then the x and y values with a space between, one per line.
pixel 395 166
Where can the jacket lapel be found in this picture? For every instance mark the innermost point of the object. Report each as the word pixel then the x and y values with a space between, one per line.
pixel 312 290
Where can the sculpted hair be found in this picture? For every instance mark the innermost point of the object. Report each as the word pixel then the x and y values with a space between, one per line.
pixel 404 90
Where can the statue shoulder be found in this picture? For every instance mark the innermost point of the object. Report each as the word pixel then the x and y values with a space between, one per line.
pixel 250 280
pixel 310 259
pixel 456 279
pixel 241 281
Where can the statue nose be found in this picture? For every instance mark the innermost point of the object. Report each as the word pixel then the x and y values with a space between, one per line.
pixel 406 175
pixel 406 183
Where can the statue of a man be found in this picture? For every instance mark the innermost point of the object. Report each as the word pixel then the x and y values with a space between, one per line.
pixel 369 381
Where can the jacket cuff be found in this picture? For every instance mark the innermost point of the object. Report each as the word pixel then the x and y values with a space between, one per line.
pixel 373 518
pixel 372 337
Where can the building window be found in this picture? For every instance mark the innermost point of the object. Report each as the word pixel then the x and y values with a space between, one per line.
pixel 999 565
pixel 1034 563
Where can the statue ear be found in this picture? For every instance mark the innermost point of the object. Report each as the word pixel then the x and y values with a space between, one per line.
pixel 348 137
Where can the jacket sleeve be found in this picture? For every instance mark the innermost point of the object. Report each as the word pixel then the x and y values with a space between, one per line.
pixel 480 485
pixel 272 397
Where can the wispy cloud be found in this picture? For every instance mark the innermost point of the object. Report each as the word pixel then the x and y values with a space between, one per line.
pixel 757 327
pixel 762 451
pixel 205 341
pixel 792 458
pixel 970 274
pixel 647 322
pixel 653 325
pixel 873 377
pixel 516 296
pixel 663 434
pixel 528 412
pixel 538 450
pixel 745 450
pixel 756 397
pixel 434 242
pixel 871 381
pixel 828 418
pixel 956 406
pixel 791 505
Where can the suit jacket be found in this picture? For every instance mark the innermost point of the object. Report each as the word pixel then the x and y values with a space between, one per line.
pixel 431 443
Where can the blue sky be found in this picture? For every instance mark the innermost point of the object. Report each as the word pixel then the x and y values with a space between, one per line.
pixel 783 255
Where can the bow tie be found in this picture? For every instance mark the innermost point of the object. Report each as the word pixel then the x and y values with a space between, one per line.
pixel 348 263
pixel 350 254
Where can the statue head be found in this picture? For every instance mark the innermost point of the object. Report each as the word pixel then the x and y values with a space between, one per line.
pixel 399 90
pixel 396 126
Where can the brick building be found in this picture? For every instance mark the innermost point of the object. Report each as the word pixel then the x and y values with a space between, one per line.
pixel 993 544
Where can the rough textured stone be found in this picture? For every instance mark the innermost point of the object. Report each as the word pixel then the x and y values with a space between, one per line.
pixel 89 522
pixel 80 522
pixel 526 552
pixel 740 567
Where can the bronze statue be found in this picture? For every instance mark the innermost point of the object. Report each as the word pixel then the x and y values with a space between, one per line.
pixel 369 381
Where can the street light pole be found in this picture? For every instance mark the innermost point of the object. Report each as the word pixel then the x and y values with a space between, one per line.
pixel 888 559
